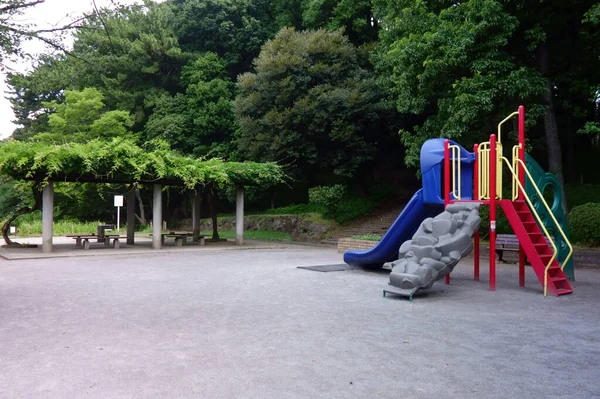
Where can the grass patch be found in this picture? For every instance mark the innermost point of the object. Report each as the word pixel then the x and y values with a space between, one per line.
pixel 31 225
pixel 368 237
pixel 313 217
pixel 253 235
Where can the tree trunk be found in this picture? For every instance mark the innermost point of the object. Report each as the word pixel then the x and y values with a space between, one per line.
pixel 555 164
pixel 37 198
pixel 142 217
pixel 212 206
pixel 273 196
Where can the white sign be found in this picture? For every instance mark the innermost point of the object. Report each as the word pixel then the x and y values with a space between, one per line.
pixel 118 200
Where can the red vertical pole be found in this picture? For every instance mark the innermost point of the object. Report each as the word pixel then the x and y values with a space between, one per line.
pixel 521 195
pixel 476 197
pixel 446 172
pixel 493 165
pixel 522 148
pixel 446 185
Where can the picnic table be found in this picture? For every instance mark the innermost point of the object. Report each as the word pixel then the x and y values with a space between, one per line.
pixel 83 240
pixel 180 238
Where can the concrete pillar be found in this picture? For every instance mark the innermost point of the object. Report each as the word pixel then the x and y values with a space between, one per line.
pixel 196 208
pixel 47 217
pixel 239 215
pixel 131 216
pixel 157 217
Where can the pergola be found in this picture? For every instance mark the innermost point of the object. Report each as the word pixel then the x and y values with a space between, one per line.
pixel 121 161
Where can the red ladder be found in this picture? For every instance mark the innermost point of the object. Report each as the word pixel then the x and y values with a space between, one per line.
pixel 536 248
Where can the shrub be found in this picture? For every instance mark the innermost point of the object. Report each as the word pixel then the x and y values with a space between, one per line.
pixel 584 224
pixel 351 209
pixel 368 237
pixel 329 197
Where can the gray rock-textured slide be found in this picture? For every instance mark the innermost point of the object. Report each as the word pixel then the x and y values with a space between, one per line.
pixel 435 249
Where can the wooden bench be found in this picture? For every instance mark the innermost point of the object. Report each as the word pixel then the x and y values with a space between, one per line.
pixel 508 243
pixel 83 240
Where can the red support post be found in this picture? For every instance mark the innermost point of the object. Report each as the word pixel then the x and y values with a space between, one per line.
pixel 522 181
pixel 476 198
pixel 446 185
pixel 446 172
pixel 493 166
pixel 522 148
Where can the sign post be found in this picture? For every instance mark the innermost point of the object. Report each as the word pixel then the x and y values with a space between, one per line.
pixel 118 204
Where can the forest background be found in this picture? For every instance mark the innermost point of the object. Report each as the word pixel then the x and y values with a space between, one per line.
pixel 342 93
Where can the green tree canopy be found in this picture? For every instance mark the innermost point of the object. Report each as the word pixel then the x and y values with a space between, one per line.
pixel 120 160
pixel 235 30
pixel 309 103
pixel 82 117
pixel 201 121
pixel 130 54
pixel 463 66
pixel 354 16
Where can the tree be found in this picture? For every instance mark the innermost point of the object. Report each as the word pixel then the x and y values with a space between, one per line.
pixel 13 31
pixel 354 16
pixel 450 65
pixel 235 30
pixel 130 54
pixel 462 66
pixel 201 121
pixel 309 103
pixel 82 117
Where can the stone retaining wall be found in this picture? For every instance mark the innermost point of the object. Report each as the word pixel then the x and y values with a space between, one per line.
pixel 345 244
pixel 295 225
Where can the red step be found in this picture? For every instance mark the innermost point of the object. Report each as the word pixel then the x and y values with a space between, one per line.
pixel 537 250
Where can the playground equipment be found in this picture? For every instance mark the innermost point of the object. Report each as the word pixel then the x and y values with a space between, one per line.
pixel 453 175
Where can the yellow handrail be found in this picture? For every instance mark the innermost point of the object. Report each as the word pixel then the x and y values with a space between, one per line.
pixel 455 154
pixel 537 216
pixel 499 156
pixel 515 166
pixel 503 122
pixel 484 170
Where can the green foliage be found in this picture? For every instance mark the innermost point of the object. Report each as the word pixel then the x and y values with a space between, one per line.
pixel 201 121
pixel 80 118
pixel 31 225
pixel 591 129
pixel 297 209
pixel 235 30
pixel 584 224
pixel 310 103
pixel 502 224
pixel 354 16
pixel 353 208
pixel 449 62
pixel 13 194
pixel 121 159
pixel 130 54
pixel 580 194
pixel 328 197
pixel 253 235
pixel 368 237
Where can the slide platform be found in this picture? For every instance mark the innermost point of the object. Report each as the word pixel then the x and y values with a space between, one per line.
pixel 401 230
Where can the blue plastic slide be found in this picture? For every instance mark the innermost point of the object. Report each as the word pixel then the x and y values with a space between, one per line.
pixel 402 229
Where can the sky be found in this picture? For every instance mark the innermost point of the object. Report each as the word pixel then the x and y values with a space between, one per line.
pixel 48 14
